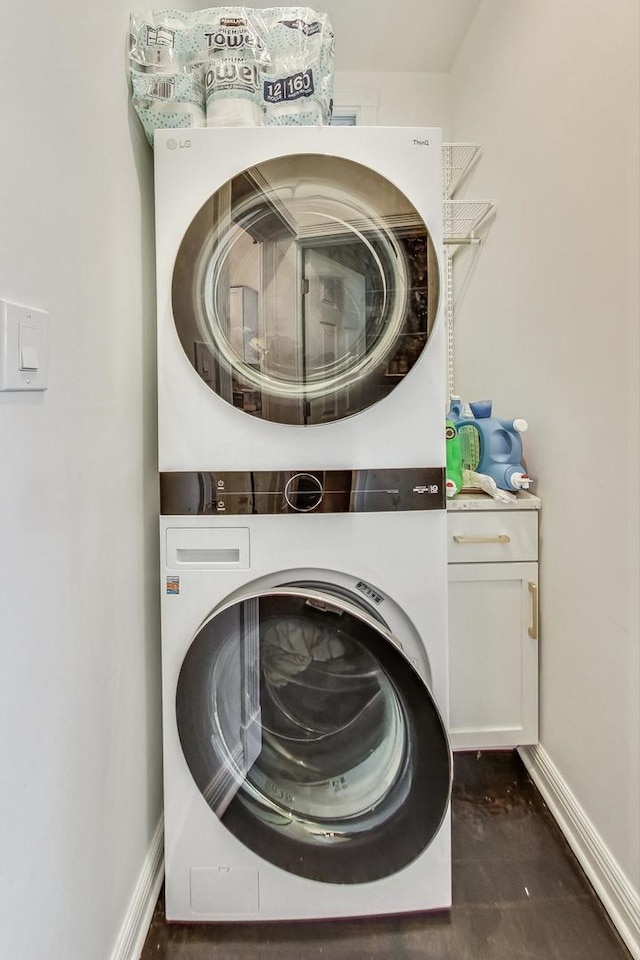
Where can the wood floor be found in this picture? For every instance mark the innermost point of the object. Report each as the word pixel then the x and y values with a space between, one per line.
pixel 518 894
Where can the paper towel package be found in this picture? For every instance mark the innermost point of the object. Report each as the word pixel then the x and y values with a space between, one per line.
pixel 231 66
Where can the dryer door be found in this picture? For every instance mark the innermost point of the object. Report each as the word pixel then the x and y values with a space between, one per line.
pixel 311 736
pixel 305 289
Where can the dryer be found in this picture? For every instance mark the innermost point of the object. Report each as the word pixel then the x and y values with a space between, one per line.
pixel 306 761
pixel 298 286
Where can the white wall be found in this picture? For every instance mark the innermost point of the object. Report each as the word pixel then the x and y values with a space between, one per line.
pixel 547 325
pixel 399 99
pixel 80 793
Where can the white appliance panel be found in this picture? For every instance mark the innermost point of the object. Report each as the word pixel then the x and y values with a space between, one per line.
pixel 210 873
pixel 197 429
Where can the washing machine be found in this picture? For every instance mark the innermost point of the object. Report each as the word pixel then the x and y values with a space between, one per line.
pixel 306 762
pixel 299 292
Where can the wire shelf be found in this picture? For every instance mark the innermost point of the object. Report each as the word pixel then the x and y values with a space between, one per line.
pixel 461 218
pixel 457 160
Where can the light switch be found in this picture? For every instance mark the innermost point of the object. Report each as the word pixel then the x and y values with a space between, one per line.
pixel 23 348
pixel 29 342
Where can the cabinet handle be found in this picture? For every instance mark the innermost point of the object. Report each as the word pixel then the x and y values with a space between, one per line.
pixel 533 629
pixel 501 538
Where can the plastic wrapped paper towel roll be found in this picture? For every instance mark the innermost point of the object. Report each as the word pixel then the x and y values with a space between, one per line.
pixel 165 100
pixel 233 112
pixel 166 80
pixel 231 66
pixel 298 86
pixel 235 41
pixel 294 114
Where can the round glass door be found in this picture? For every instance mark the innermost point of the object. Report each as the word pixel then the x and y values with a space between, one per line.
pixel 305 289
pixel 311 736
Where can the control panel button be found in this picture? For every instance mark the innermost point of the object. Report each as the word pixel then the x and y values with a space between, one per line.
pixel 303 492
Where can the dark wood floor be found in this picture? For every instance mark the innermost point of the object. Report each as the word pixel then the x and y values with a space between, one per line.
pixel 518 894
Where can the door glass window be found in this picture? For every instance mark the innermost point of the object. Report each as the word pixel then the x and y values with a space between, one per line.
pixel 305 289
pixel 311 737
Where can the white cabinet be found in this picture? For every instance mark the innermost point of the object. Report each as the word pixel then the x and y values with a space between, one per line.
pixel 493 621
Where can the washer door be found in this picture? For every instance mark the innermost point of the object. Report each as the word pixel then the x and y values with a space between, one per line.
pixel 311 736
pixel 305 289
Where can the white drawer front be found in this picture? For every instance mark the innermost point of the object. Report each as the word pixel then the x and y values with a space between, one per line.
pixel 487 537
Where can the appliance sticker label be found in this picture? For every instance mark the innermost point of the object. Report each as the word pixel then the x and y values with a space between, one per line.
pixel 369 592
pixel 173 585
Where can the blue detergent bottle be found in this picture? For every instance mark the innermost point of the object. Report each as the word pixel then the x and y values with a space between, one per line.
pixel 455 408
pixel 493 446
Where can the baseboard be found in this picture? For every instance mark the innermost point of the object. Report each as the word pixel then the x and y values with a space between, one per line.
pixel 138 917
pixel 620 900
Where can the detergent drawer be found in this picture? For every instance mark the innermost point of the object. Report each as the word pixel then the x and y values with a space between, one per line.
pixel 492 536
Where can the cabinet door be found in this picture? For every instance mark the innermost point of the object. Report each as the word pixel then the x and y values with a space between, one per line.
pixel 493 654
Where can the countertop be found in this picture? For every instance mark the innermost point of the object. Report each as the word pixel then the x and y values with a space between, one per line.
pixel 523 500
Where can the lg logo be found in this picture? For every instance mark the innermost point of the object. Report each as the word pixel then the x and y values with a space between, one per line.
pixel 178 144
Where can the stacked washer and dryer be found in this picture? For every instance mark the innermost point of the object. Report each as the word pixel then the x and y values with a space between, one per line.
pixel 304 644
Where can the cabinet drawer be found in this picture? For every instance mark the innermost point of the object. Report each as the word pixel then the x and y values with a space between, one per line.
pixel 492 535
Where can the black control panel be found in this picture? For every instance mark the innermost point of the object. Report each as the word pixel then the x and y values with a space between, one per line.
pixel 200 493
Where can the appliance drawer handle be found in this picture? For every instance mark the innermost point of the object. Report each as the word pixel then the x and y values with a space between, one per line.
pixel 533 629
pixel 501 538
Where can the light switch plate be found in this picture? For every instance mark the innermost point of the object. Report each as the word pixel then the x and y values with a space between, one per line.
pixel 24 348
